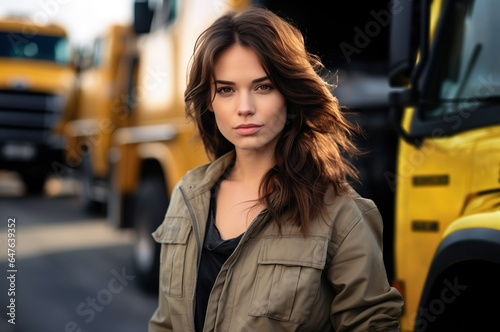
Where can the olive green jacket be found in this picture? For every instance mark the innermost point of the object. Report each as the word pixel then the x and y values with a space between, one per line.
pixel 334 279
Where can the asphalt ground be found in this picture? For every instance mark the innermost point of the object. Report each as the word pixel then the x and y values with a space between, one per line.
pixel 67 269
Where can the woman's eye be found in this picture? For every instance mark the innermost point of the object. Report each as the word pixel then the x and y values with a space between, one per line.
pixel 225 90
pixel 265 87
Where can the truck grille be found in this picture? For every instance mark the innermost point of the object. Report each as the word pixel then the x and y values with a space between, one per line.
pixel 28 116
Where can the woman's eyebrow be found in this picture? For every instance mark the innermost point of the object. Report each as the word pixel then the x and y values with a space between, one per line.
pixel 257 80
pixel 224 82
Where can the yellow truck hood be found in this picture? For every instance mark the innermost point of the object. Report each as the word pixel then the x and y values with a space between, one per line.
pixel 33 75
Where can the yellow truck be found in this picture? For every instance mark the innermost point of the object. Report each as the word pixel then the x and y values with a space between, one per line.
pixel 444 57
pixel 36 88
pixel 101 107
pixel 129 138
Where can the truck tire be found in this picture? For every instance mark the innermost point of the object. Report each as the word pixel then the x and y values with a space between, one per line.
pixel 150 205
pixel 34 182
pixel 463 298
pixel 88 187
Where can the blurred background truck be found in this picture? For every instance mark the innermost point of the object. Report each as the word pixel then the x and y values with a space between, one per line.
pixel 36 89
pixel 128 137
pixel 444 54
pixel 102 105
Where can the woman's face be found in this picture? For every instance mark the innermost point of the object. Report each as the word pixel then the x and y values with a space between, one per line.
pixel 250 112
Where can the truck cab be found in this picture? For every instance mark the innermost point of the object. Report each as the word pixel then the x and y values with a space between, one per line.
pixel 444 57
pixel 36 88
pixel 101 107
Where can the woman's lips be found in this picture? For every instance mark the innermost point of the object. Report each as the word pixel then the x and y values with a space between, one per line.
pixel 247 129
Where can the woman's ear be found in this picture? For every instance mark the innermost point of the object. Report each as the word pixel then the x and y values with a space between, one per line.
pixel 210 104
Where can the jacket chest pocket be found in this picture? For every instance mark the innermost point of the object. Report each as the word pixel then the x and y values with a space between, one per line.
pixel 173 236
pixel 288 277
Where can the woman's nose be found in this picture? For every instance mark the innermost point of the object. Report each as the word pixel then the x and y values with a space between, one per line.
pixel 246 106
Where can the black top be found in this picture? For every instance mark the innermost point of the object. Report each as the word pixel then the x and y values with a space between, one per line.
pixel 214 254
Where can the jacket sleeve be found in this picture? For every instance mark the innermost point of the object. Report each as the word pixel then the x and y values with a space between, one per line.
pixel 364 300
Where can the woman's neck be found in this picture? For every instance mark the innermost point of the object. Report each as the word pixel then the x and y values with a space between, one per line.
pixel 251 166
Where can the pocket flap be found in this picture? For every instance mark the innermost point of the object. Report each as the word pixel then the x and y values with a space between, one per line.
pixel 173 230
pixel 294 250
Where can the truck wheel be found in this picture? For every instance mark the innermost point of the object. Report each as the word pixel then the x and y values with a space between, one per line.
pixel 34 183
pixel 88 187
pixel 149 209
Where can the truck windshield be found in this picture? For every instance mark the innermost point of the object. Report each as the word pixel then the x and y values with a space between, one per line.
pixel 39 47
pixel 467 70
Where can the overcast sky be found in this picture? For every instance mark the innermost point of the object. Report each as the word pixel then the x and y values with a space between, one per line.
pixel 83 18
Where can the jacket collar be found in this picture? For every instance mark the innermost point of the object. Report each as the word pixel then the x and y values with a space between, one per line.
pixel 201 179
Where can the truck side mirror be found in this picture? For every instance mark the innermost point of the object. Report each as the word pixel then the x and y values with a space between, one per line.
pixel 404 40
pixel 143 16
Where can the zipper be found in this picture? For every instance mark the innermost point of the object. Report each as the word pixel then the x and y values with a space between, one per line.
pixel 245 235
pixel 236 253
pixel 198 256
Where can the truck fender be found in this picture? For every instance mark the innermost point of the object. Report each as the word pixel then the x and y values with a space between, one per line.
pixel 461 245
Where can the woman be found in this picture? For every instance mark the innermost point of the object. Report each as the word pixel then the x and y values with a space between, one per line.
pixel 269 236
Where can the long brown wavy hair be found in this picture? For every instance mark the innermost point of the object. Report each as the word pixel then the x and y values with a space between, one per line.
pixel 311 154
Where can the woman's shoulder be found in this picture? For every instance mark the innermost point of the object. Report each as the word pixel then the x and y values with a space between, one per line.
pixel 344 212
pixel 349 202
